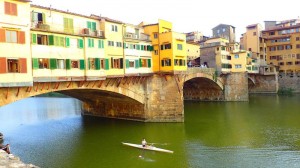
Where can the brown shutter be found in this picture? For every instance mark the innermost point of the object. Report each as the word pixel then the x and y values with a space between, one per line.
pixel 23 65
pixel 14 9
pixel 3 65
pixel 2 35
pixel 7 7
pixel 21 37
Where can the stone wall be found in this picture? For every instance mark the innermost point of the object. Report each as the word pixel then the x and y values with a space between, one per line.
pixel 263 83
pixel 236 87
pixel 9 160
pixel 289 82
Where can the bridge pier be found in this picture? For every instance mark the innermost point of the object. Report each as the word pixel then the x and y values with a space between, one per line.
pixel 236 87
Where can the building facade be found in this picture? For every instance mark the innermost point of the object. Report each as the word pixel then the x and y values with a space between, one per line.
pixel 15 62
pixel 224 31
pixel 283 45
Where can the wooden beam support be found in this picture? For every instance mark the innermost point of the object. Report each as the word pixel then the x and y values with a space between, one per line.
pixel 108 82
pixel 114 82
pixel 18 91
pixel 6 96
pixel 94 84
pixel 100 83
pixel 43 87
pixel 88 83
pixel 37 86
pixel 28 89
pixel 48 87
pixel 119 82
pixel 177 84
pixel 68 85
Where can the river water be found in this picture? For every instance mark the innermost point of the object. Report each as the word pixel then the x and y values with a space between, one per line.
pixel 50 132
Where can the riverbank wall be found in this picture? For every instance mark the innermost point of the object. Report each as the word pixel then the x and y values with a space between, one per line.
pixel 9 160
pixel 289 82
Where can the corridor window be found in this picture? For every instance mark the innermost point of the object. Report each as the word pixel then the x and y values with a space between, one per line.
pixel 11 36
pixel 166 62
pixel 74 64
pixel 179 46
pixel 60 64
pixel 238 66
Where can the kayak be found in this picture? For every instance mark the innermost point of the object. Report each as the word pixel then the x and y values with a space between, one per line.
pixel 148 147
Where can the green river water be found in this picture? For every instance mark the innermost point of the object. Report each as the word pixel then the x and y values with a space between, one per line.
pixel 50 132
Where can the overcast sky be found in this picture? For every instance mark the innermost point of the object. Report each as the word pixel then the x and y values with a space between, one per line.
pixel 186 15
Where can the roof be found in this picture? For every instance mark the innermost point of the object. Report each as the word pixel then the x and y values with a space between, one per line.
pixel 150 24
pixel 24 0
pixel 92 16
pixel 252 25
pixel 223 25
pixel 281 28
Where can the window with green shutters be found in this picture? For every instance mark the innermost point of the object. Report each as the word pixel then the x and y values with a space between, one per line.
pixel 51 40
pixel 67 42
pixel 53 63
pixel 90 43
pixel 68 64
pixel 127 63
pixel 106 64
pixel 33 38
pixel 97 63
pixel 100 44
pixel 142 47
pixel 137 64
pixel 138 47
pixel 82 64
pixel 149 63
pixel 91 25
pixel 80 43
pixel 35 63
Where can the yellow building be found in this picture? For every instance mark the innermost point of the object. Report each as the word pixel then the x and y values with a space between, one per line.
pixel 137 51
pixel 15 62
pixel 193 52
pixel 170 53
pixel 283 44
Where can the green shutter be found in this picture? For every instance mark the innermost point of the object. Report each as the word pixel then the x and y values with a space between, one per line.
pixel 149 63
pixel 80 43
pixel 124 45
pixel 93 26
pixel 82 65
pixel 35 63
pixel 56 40
pixel 51 40
pixel 138 47
pixel 62 41
pixel 97 63
pixel 140 61
pixel 89 63
pixel 102 42
pixel 142 47
pixel 33 40
pixel 67 42
pixel 65 24
pixel 106 64
pixel 53 63
pixel 99 43
pixel 136 63
pixel 127 63
pixel 68 64
pixel 89 25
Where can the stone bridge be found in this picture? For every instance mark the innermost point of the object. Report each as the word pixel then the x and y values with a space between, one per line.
pixel 155 98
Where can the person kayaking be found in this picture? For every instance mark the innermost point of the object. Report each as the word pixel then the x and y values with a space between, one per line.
pixel 5 148
pixel 144 143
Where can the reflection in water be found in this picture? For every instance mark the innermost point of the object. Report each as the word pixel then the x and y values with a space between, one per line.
pixel 264 132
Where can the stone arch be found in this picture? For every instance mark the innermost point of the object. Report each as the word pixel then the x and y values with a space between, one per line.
pixel 218 81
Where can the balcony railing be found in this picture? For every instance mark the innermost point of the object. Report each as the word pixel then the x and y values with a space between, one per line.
pixel 134 36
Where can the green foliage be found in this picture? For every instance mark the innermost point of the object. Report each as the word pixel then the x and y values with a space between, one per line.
pixel 285 91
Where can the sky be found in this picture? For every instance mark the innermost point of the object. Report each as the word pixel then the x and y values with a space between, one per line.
pixel 186 15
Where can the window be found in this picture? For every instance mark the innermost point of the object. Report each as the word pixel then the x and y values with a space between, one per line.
pixel 38 17
pixel 11 36
pixel 91 43
pixel 281 63
pixel 238 66
pixel 280 47
pixel 236 56
pixel 61 64
pixel 43 63
pixel 91 25
pixel 155 52
pixel 179 62
pixel 166 62
pixel 117 63
pixel 254 33
pixel 165 46
pixel 288 47
pixel 298 46
pixel 155 35
pixel 110 43
pixel 272 33
pixel 94 63
pixel 289 63
pixel 114 28
pixel 74 64
pixel 297 38
pixel 224 29
pixel 130 63
pixel 179 46
pixel 42 39
pixel 68 25
pixel 119 44
pixel 11 8
pixel 227 66
pixel 12 65
pixel 100 43
pixel 272 48
pixel 80 43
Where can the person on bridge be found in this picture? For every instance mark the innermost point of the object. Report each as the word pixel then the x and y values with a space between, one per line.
pixel 144 143
pixel 5 148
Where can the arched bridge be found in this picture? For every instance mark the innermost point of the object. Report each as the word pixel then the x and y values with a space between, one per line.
pixel 155 98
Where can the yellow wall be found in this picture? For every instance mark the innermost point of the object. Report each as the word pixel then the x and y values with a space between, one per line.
pixel 193 50
pixel 241 60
